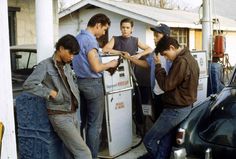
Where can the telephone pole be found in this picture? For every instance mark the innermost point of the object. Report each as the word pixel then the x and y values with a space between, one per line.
pixel 207 30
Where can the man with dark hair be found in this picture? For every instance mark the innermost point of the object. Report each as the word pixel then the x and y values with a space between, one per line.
pixel 89 72
pixel 52 79
pixel 180 92
pixel 99 18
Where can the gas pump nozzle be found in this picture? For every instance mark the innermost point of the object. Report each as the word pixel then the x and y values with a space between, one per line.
pixel 113 70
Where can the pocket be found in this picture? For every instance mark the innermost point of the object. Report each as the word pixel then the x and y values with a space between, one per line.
pixel 59 99
pixel 92 92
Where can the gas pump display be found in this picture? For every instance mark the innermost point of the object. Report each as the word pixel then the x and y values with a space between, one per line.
pixel 120 79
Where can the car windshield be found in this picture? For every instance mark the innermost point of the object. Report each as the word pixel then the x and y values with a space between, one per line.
pixel 23 60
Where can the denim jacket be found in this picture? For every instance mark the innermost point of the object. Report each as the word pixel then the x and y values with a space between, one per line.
pixel 45 78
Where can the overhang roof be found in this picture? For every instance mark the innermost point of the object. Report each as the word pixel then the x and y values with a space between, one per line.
pixel 150 15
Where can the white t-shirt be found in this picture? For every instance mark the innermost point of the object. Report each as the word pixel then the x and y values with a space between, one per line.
pixel 166 65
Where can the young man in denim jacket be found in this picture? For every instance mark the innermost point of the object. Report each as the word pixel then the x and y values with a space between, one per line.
pixel 53 80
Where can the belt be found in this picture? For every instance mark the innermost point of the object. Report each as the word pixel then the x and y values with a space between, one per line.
pixel 90 78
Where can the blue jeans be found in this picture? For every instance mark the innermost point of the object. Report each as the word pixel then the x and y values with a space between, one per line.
pixel 92 109
pixel 216 78
pixel 67 128
pixel 158 139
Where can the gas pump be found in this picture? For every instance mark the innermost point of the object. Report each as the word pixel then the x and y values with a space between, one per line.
pixel 118 109
pixel 201 58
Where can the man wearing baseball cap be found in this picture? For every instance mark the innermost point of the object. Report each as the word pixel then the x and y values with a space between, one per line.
pixel 161 28
pixel 158 31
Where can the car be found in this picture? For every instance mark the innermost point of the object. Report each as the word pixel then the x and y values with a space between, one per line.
pixel 210 130
pixel 23 62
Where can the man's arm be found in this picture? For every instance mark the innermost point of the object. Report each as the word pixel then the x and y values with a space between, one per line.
pixel 176 75
pixel 96 65
pixel 141 63
pixel 33 84
pixel 108 48
pixel 146 50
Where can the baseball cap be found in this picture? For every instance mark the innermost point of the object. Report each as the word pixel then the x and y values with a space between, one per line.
pixel 161 28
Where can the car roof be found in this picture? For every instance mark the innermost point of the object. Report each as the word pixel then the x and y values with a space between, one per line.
pixel 24 47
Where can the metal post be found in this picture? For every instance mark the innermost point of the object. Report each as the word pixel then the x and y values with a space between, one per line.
pixel 207 28
pixel 6 98
pixel 44 29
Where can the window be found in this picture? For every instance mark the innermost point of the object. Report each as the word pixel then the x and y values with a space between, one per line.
pixel 181 35
pixel 12 24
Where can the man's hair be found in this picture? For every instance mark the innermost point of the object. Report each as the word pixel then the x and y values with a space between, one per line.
pixel 69 42
pixel 127 20
pixel 164 44
pixel 99 18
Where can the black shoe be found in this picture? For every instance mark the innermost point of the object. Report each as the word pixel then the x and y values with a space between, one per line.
pixel 146 156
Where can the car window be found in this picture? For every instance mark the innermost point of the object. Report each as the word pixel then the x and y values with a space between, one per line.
pixel 25 60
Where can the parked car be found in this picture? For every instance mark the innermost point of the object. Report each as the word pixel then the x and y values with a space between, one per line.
pixel 23 61
pixel 210 130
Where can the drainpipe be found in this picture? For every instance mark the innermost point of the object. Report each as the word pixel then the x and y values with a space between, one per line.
pixel 44 29
pixel 6 112
pixel 207 28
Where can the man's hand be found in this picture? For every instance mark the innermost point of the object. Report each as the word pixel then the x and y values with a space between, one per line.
pixel 157 58
pixel 113 63
pixel 125 55
pixel 53 94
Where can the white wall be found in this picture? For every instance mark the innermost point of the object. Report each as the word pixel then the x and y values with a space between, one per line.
pixel 231 47
pixel 69 24
pixel 150 38
pixel 141 30
pixel 25 21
